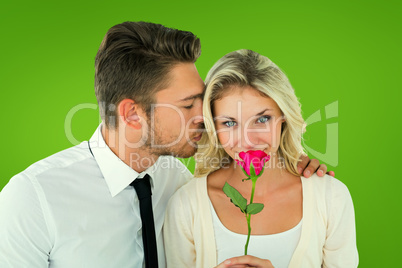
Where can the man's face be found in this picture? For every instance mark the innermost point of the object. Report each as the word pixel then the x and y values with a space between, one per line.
pixel 176 122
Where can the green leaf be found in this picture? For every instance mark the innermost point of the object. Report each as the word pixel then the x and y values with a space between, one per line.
pixel 254 208
pixel 235 197
pixel 253 176
pixel 245 173
pixel 252 171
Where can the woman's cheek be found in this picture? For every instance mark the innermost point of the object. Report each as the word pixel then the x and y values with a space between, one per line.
pixel 224 139
pixel 273 138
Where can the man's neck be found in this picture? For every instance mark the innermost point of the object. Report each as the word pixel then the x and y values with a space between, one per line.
pixel 137 157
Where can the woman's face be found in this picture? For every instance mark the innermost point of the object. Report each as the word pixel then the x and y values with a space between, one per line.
pixel 246 120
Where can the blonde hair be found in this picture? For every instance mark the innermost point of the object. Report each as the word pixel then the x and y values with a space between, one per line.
pixel 246 68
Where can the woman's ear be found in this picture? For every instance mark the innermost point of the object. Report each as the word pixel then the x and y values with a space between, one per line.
pixel 130 113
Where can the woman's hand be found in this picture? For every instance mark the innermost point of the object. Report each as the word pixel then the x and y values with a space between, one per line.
pixel 245 261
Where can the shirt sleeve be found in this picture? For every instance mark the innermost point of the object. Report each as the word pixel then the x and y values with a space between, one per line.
pixel 340 249
pixel 24 236
pixel 178 235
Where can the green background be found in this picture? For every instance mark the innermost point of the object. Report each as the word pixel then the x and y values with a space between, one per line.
pixel 346 51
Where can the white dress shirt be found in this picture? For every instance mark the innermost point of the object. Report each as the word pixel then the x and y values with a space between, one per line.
pixel 77 209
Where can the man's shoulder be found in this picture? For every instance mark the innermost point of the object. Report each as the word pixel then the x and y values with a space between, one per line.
pixel 69 165
pixel 24 183
pixel 170 164
pixel 60 160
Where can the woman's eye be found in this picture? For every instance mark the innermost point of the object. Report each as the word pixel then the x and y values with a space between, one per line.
pixel 188 107
pixel 230 123
pixel 263 119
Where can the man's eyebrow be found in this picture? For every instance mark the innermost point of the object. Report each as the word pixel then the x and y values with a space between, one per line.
pixel 192 97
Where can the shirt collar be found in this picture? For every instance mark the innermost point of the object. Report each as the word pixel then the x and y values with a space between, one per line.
pixel 118 175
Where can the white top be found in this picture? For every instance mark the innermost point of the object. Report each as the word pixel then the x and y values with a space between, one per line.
pixel 75 209
pixel 278 248
pixel 328 234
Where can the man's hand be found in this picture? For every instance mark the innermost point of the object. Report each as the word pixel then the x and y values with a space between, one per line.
pixel 308 166
pixel 245 261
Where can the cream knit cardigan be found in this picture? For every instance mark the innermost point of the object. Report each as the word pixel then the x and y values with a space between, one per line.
pixel 328 236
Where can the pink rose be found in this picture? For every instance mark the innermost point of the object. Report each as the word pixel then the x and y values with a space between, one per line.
pixel 255 158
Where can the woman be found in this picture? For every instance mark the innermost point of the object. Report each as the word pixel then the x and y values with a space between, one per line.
pixel 249 104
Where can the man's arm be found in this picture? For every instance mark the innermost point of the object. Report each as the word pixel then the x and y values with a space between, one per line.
pixel 308 166
pixel 24 236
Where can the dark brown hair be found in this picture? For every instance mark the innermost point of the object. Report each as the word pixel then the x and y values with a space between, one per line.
pixel 134 61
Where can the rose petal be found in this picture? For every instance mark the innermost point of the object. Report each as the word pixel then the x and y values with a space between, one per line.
pixel 257 166
pixel 243 166
pixel 255 157
pixel 246 158
pixel 258 153
pixel 266 159
pixel 242 155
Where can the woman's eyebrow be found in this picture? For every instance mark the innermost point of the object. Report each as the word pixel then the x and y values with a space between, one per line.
pixel 261 113
pixel 224 117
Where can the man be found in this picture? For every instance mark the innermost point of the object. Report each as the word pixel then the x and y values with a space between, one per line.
pixel 81 207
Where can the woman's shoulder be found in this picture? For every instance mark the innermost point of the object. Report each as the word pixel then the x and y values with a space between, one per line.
pixel 194 184
pixel 325 182
pixel 329 190
pixel 190 190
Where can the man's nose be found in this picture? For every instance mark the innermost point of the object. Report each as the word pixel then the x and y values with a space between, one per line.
pixel 198 116
pixel 198 119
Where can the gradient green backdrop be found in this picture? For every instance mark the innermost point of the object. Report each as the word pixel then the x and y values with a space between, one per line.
pixel 346 51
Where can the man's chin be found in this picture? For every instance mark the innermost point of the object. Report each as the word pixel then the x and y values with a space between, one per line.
pixel 184 153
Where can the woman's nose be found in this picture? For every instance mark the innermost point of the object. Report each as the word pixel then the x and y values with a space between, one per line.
pixel 247 139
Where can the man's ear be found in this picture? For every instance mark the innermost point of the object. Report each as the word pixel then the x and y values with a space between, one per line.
pixel 130 113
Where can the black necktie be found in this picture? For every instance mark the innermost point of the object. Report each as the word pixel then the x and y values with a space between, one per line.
pixel 143 189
